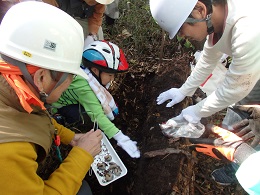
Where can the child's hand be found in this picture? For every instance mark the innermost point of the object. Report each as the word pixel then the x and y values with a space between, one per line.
pixel 127 144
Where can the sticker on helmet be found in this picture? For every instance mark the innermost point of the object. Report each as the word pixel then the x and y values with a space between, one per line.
pixel 26 53
pixel 49 45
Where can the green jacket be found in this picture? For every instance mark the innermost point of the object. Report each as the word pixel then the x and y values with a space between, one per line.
pixel 79 92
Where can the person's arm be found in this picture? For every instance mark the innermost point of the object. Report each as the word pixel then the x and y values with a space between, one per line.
pixel 51 2
pixel 231 146
pixel 66 135
pixel 18 171
pixel 204 67
pixel 95 111
pixel 243 72
pixel 95 21
pixel 92 106
pixel 87 98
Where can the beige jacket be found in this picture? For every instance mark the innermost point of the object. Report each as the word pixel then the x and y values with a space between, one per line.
pixel 16 124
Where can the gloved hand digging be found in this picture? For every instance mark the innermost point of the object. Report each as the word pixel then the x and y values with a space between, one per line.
pixel 172 94
pixel 127 144
pixel 227 146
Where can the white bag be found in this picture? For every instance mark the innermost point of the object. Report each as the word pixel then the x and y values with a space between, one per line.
pixel 178 127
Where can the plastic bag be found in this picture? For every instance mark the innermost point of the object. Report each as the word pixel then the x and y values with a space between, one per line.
pixel 178 127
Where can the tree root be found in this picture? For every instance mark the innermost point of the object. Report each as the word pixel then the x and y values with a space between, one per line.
pixel 165 151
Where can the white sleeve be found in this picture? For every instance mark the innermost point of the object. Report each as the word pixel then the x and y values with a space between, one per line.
pixel 248 174
pixel 243 72
pixel 204 67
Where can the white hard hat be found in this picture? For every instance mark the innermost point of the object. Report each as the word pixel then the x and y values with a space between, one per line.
pixel 42 35
pixel 171 14
pixel 105 2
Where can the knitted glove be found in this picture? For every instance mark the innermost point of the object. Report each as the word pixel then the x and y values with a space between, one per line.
pixel 249 128
pixel 127 144
pixel 227 146
pixel 172 94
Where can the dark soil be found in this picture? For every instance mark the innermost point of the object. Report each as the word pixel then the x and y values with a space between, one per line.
pixel 139 119
pixel 182 173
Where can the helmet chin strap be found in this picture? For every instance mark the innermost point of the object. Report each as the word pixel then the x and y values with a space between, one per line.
pixel 44 95
pixel 98 77
pixel 210 28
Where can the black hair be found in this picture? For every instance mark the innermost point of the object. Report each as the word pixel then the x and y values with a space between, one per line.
pixel 55 75
pixel 209 3
pixel 88 64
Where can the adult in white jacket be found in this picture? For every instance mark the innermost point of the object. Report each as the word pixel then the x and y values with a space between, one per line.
pixel 231 28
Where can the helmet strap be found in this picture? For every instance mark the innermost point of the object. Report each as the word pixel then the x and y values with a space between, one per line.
pixel 62 79
pixel 28 77
pixel 210 28
pixel 97 77
pixel 100 80
pixel 23 69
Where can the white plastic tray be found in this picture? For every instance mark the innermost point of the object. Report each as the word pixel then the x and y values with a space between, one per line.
pixel 107 149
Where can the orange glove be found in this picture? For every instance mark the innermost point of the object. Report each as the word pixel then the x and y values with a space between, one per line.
pixel 222 148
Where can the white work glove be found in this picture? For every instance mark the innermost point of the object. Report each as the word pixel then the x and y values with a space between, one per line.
pixel 127 144
pixel 174 94
pixel 89 39
pixel 190 115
